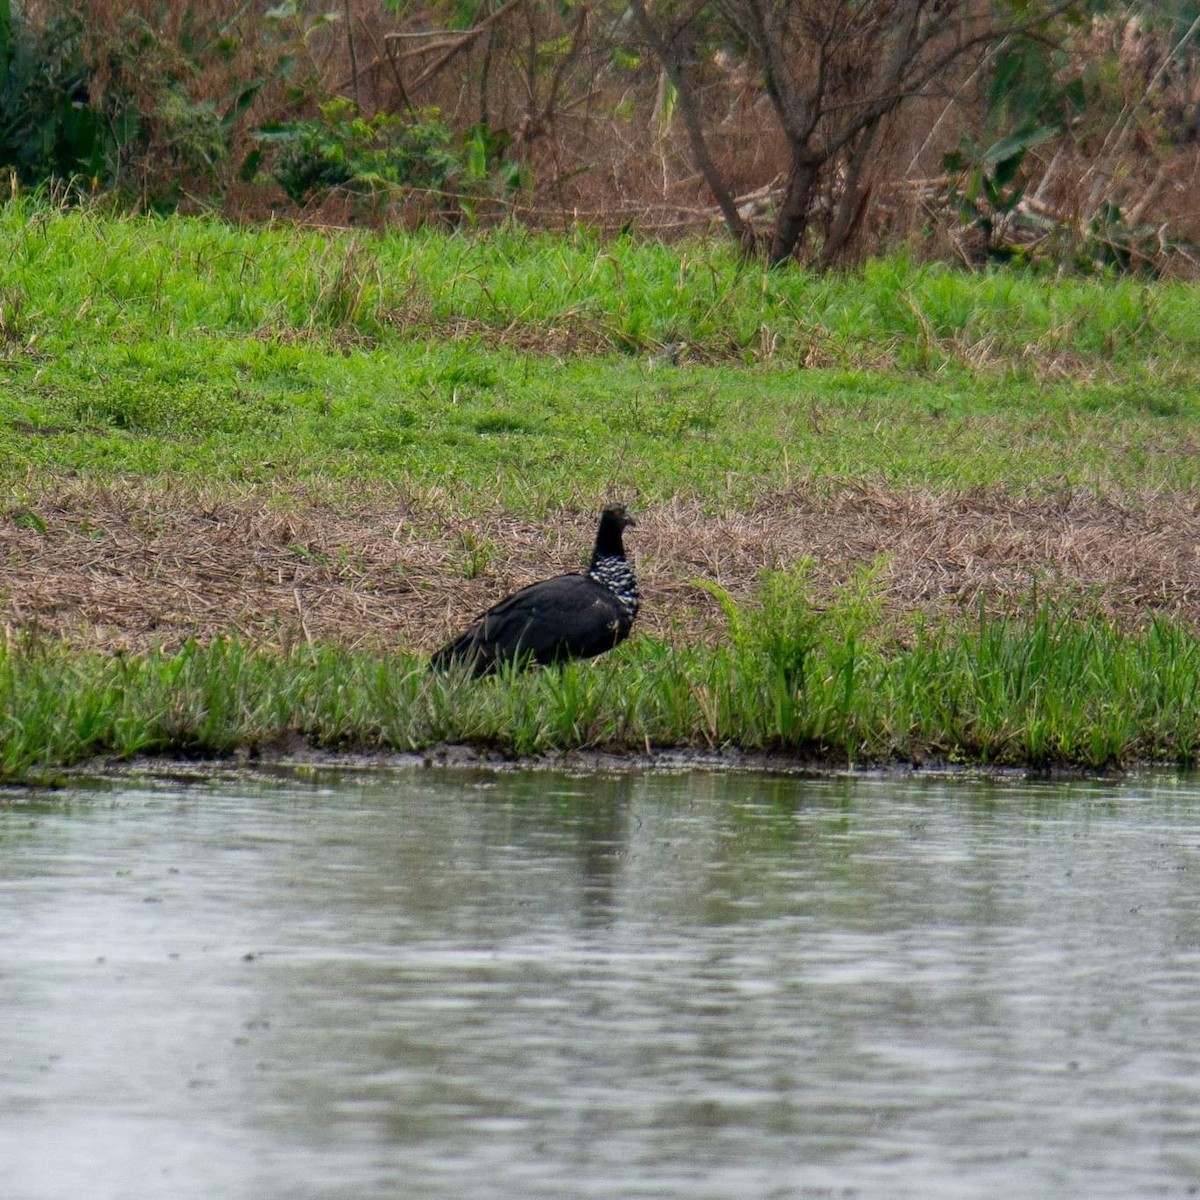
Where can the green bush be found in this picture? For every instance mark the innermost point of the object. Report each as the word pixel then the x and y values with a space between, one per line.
pixel 340 148
pixel 110 108
pixel 47 127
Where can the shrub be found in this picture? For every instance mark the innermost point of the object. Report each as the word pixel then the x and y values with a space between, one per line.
pixel 340 148
pixel 47 127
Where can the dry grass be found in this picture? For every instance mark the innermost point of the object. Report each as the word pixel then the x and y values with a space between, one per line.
pixel 125 570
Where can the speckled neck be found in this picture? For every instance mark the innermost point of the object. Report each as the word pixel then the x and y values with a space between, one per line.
pixel 614 572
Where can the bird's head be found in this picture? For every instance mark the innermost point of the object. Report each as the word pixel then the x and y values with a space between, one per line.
pixel 613 519
pixel 616 514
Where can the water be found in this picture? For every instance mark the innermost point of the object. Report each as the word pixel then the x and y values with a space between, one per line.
pixel 535 985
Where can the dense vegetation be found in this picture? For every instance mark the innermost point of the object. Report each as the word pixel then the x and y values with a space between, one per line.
pixel 989 130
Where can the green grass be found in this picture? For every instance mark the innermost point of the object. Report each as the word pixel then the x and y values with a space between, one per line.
pixel 128 276
pixel 512 369
pixel 190 351
pixel 1040 689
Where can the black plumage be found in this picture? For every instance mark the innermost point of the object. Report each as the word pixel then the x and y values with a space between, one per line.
pixel 570 616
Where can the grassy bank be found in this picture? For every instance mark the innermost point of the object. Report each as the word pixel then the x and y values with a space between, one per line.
pixel 243 436
pixel 445 364
pixel 1041 689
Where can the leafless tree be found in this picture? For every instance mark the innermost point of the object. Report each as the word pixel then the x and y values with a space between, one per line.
pixel 833 70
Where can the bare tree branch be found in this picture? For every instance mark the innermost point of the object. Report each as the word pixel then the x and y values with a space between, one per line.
pixel 666 55
pixel 448 49
pixel 534 124
pixel 834 69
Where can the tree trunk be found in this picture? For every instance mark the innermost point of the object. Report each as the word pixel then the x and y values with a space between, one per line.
pixel 792 221
pixel 852 205
pixel 703 160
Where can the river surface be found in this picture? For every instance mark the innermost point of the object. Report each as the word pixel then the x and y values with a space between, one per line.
pixel 464 985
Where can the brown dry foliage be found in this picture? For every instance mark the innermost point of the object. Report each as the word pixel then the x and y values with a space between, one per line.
pixel 138 568
pixel 601 146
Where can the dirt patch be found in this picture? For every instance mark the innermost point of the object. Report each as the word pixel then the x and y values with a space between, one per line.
pixel 133 568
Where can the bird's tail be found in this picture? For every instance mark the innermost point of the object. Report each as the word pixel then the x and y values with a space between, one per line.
pixel 463 651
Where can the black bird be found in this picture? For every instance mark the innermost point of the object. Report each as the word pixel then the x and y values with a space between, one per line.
pixel 569 616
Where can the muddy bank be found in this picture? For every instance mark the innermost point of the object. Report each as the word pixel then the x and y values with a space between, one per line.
pixel 297 760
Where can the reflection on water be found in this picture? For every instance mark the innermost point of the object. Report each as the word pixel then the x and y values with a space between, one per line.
pixel 536 985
